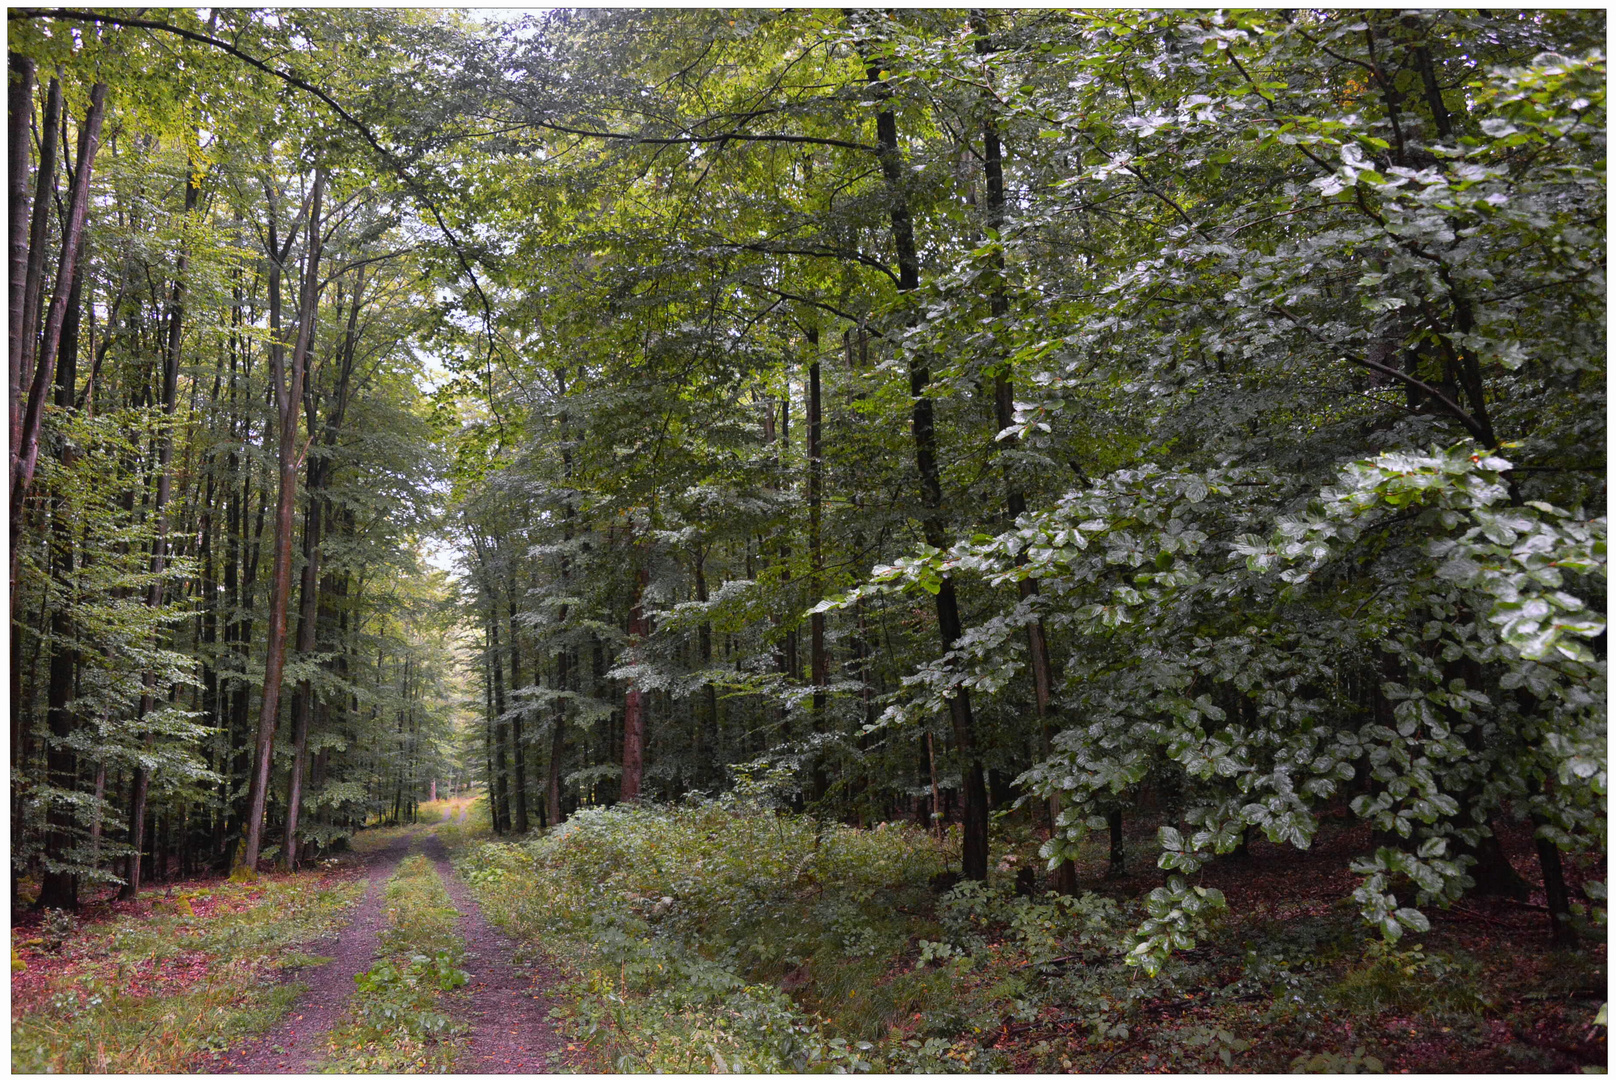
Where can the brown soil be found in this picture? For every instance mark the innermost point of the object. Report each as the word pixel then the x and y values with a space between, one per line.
pixel 297 1043
pixel 508 1013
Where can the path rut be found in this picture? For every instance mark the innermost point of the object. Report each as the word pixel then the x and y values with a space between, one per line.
pixel 297 1043
pixel 509 1015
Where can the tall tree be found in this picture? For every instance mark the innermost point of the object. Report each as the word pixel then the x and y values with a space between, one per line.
pixel 288 385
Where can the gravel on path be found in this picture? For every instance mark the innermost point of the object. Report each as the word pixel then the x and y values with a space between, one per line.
pixel 297 1043
pixel 509 1013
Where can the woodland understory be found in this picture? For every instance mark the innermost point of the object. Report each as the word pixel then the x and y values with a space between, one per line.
pixel 936 539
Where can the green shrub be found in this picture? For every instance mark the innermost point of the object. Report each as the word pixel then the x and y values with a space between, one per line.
pixel 1411 982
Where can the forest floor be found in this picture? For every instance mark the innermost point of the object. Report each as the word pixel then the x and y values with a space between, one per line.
pixel 701 939
pixel 335 969
pixel 708 938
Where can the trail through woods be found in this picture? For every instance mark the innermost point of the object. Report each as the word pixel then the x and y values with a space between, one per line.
pixel 297 1043
pixel 502 1003
pixel 1072 449
pixel 508 1012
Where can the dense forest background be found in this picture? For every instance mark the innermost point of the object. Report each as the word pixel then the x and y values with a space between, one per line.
pixel 1188 418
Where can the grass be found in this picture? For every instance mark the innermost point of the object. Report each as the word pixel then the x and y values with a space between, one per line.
pixel 148 992
pixel 718 936
pixel 397 1022
pixel 709 939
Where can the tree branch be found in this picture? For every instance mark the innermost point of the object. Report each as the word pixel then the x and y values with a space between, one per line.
pixel 291 78
pixel 1471 424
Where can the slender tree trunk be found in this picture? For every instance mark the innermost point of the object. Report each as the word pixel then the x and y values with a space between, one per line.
pixel 288 403
pixel 96 814
pixel 818 662
pixel 518 743
pixel 20 112
pixel 564 656
pixel 25 445
pixel 307 645
pixel 558 736
pixel 60 888
pixel 1004 409
pixel 489 742
pixel 1556 895
pixel 502 729
pixel 704 649
pixel 633 702
pixel 159 557
pixel 37 252
pixel 974 809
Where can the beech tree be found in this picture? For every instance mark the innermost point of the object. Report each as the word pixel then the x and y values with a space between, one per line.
pixel 1190 419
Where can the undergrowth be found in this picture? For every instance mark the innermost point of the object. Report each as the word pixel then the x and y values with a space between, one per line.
pixel 711 936
pixel 719 936
pixel 148 993
pixel 397 1021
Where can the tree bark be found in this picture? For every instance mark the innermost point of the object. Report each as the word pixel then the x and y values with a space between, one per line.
pixel 288 401
pixel 34 268
pixel 59 888
pixel 20 112
pixel 1004 408
pixel 552 779
pixel 633 702
pixel 818 663
pixel 704 645
pixel 974 809
pixel 159 556
pixel 518 747
pixel 25 447
pixel 307 644
pixel 314 525
pixel 502 789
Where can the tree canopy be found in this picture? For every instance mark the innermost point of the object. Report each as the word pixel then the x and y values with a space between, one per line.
pixel 1195 416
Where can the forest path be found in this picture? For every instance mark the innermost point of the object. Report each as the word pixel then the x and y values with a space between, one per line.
pixel 509 1016
pixel 297 1043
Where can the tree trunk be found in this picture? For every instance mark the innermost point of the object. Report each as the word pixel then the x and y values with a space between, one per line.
pixel 489 744
pixel 37 252
pixel 704 647
pixel 633 703
pixel 288 402
pixel 1004 409
pixel 501 728
pixel 59 888
pixel 518 744
pixel 818 663
pixel 20 112
pixel 25 446
pixel 552 779
pixel 1554 890
pixel 159 557
pixel 307 644
pixel 974 811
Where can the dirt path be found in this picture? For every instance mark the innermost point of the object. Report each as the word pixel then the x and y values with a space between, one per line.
pixel 509 1016
pixel 297 1043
